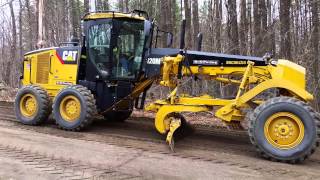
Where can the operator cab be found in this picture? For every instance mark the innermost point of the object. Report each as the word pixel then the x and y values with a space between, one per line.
pixel 112 53
pixel 114 44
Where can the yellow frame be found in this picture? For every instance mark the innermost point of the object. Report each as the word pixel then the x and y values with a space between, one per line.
pixel 285 75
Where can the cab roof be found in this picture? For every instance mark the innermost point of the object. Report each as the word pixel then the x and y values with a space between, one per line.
pixel 113 14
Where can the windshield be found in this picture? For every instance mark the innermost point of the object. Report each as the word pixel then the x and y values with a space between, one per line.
pixel 125 56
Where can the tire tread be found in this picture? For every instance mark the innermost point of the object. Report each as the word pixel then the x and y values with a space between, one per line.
pixel 44 110
pixel 90 111
pixel 253 116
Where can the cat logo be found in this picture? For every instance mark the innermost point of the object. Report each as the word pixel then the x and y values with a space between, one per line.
pixel 69 55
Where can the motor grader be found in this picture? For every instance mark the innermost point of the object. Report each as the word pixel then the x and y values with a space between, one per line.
pixel 117 62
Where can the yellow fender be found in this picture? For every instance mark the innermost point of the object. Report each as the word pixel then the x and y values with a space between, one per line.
pixel 230 111
pixel 165 110
pixel 276 83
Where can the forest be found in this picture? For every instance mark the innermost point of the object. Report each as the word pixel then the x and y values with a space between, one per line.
pixel 288 29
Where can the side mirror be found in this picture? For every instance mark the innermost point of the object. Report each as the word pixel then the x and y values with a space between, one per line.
pixel 169 39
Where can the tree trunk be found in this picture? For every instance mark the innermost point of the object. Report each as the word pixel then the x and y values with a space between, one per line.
pixel 42 31
pixel 195 21
pixel 169 16
pixel 271 28
pixel 218 24
pixel 174 21
pixel 243 31
pixel 285 36
pixel 232 27
pixel 250 38
pixel 86 6
pixel 120 5
pixel 187 14
pixel 30 27
pixel 13 48
pixel 211 25
pixel 20 30
pixel 265 45
pixel 315 49
pixel 105 5
pixel 164 17
pixel 78 18
pixel 256 28
pixel 126 5
pixel 75 27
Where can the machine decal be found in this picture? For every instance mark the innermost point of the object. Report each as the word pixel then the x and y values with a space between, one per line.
pixel 63 83
pixel 205 62
pixel 236 62
pixel 153 60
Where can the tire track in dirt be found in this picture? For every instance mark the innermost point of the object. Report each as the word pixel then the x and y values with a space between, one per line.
pixel 61 167
pixel 192 149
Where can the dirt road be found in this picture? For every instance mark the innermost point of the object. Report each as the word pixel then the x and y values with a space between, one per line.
pixel 133 150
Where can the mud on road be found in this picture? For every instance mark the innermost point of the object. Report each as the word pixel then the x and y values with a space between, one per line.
pixel 133 150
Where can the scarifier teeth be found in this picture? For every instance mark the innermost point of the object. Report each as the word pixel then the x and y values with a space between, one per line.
pixel 174 125
pixel 171 145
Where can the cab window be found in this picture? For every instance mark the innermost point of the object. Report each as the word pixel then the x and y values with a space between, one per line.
pixel 99 45
pixel 129 49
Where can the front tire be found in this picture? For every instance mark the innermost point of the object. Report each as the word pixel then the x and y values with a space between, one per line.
pixel 32 105
pixel 74 108
pixel 284 129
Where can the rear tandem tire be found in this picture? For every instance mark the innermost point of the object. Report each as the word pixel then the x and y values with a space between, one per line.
pixel 74 108
pixel 32 105
pixel 284 129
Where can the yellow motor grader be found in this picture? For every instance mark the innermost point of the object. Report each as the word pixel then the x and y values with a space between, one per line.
pixel 117 61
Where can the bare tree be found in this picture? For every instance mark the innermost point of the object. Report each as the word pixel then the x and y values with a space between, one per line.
pixel 86 6
pixel 20 30
pixel 163 20
pixel 256 27
pixel 243 27
pixel 121 5
pixel 285 35
pixel 126 5
pixel 315 47
pixel 74 17
pixel 187 13
pixel 264 47
pixel 41 27
pixel 13 45
pixel 232 27
pixel 211 25
pixel 195 21
pixel 218 24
